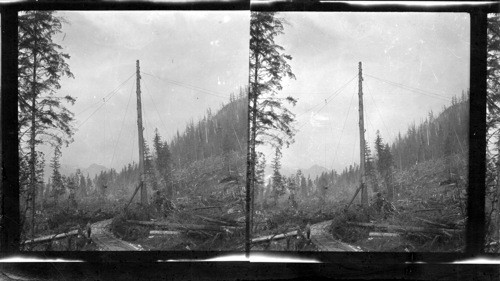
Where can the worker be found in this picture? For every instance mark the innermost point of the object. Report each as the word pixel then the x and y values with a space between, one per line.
pixel 89 230
pixel 379 202
pixel 305 230
pixel 308 231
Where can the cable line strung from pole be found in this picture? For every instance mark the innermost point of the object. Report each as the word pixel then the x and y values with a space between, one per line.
pixel 411 89
pixel 106 96
pixel 327 100
pixel 156 109
pixel 104 100
pixel 343 127
pixel 123 123
pixel 330 98
pixel 378 111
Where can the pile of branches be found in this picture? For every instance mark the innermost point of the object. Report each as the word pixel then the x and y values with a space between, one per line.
pixel 433 201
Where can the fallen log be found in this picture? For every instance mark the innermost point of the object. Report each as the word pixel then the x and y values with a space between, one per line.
pixel 383 234
pixel 431 222
pixel 221 222
pixel 428 210
pixel 396 228
pixel 202 208
pixel 52 237
pixel 164 232
pixel 168 225
pixel 274 237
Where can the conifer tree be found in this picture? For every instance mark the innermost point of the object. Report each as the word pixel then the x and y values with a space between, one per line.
pixel 269 119
pixel 42 116
pixel 163 163
pixel 83 186
pixel 58 188
pixel 278 185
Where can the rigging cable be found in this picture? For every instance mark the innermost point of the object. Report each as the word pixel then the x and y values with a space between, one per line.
pixel 342 133
pixel 156 109
pixel 113 91
pixel 412 89
pixel 327 100
pixel 378 111
pixel 121 128
pixel 104 102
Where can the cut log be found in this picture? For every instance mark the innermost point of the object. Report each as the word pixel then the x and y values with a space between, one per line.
pixel 274 237
pixel 203 208
pixel 428 210
pixel 179 226
pixel 396 228
pixel 221 222
pixel 383 234
pixel 164 232
pixel 49 238
pixel 433 223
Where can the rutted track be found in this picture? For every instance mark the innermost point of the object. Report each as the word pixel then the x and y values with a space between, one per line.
pixel 325 242
pixel 106 241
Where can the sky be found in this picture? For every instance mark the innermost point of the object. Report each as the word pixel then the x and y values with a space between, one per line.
pixel 425 51
pixel 204 51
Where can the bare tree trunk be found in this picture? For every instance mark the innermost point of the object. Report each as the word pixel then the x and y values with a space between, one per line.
pixel 390 188
pixel 254 135
pixel 33 157
pixel 496 236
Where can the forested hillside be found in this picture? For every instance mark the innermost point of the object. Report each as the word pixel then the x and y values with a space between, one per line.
pixel 215 134
pixel 220 137
pixel 435 138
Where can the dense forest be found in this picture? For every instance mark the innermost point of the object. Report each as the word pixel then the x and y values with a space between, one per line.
pixel 436 137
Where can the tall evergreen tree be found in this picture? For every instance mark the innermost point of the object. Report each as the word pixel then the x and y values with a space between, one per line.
pixel 292 186
pixel 278 185
pixel 268 66
pixel 72 186
pixel 370 169
pixel 270 120
pixel 149 169
pixel 384 164
pixel 42 116
pixel 82 186
pixel 163 163
pixel 58 188
pixel 309 186
pixel 88 181
pixel 322 187
pixel 388 163
pixel 259 177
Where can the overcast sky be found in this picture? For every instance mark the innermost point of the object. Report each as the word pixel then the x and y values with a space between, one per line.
pixel 421 50
pixel 207 50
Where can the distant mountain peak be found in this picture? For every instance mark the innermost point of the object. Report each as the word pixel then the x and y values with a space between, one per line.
pixel 94 166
